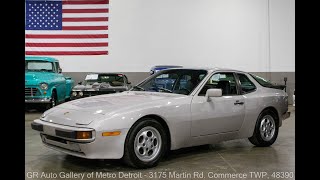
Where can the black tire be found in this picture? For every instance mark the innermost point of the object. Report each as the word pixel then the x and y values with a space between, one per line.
pixel 41 107
pixel 130 157
pixel 53 101
pixel 261 140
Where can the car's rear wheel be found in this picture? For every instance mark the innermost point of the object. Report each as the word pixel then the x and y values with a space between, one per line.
pixel 266 129
pixel 146 143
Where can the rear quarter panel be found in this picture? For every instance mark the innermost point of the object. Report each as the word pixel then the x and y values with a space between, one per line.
pixel 259 100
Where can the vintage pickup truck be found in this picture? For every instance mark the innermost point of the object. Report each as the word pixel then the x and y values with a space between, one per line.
pixel 45 85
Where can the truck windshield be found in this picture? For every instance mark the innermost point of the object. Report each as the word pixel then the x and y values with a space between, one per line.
pixel 39 66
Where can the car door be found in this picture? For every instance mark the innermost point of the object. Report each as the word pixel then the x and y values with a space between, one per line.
pixel 60 83
pixel 127 82
pixel 220 114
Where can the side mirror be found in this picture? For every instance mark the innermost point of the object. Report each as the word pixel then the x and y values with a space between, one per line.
pixel 129 82
pixel 213 93
pixel 80 82
pixel 59 70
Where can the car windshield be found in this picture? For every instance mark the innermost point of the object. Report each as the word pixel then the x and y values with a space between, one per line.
pixel 156 69
pixel 112 79
pixel 178 81
pixel 38 66
pixel 261 81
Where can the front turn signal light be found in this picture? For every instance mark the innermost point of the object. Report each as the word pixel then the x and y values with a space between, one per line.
pixel 84 135
pixel 114 133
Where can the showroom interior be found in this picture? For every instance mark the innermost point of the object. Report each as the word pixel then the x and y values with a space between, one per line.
pixel 130 38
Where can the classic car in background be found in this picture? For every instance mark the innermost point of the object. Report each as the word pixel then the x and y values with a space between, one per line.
pixel 45 85
pixel 101 83
pixel 155 69
pixel 202 106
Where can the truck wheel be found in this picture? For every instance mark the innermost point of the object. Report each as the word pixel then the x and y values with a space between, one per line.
pixel 54 101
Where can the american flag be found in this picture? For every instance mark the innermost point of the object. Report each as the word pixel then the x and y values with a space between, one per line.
pixel 66 27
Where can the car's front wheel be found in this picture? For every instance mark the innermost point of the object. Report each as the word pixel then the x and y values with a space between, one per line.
pixel 145 144
pixel 266 129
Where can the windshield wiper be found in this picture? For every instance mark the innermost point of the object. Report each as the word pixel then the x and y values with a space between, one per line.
pixel 164 89
pixel 138 87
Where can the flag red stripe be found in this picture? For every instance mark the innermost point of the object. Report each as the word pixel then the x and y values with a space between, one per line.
pixel 85 10
pixel 87 2
pixel 85 28
pixel 57 53
pixel 66 44
pixel 65 36
pixel 85 19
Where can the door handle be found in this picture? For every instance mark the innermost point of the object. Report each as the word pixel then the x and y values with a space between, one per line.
pixel 238 103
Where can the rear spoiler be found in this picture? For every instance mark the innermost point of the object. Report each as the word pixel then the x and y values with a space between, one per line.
pixel 282 87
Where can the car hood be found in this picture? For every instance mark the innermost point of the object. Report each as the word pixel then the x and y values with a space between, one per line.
pixel 84 111
pixel 34 78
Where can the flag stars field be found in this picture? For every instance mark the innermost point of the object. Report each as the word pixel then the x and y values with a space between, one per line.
pixel 67 27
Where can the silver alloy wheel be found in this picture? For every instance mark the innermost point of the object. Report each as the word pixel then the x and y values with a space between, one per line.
pixel 267 127
pixel 147 144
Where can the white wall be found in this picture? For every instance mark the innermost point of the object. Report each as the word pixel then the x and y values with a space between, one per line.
pixel 223 33
pixel 282 33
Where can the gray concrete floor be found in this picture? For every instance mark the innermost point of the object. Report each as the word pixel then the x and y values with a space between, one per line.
pixel 218 161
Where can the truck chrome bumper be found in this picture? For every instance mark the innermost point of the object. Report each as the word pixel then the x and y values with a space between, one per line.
pixel 38 100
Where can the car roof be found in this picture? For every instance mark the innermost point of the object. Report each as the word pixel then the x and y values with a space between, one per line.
pixel 40 58
pixel 211 69
pixel 105 73
pixel 166 66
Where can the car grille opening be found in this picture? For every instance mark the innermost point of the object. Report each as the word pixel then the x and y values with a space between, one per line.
pixel 30 91
pixel 88 94
pixel 56 139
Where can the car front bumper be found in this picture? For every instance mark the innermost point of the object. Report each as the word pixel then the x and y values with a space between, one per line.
pixel 37 100
pixel 95 93
pixel 99 147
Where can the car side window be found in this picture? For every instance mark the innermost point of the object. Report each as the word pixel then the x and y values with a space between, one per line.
pixel 246 85
pixel 57 67
pixel 125 79
pixel 224 81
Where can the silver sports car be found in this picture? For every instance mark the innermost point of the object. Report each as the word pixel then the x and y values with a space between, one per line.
pixel 169 110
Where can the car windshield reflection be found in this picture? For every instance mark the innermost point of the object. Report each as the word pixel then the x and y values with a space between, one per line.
pixel 178 81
